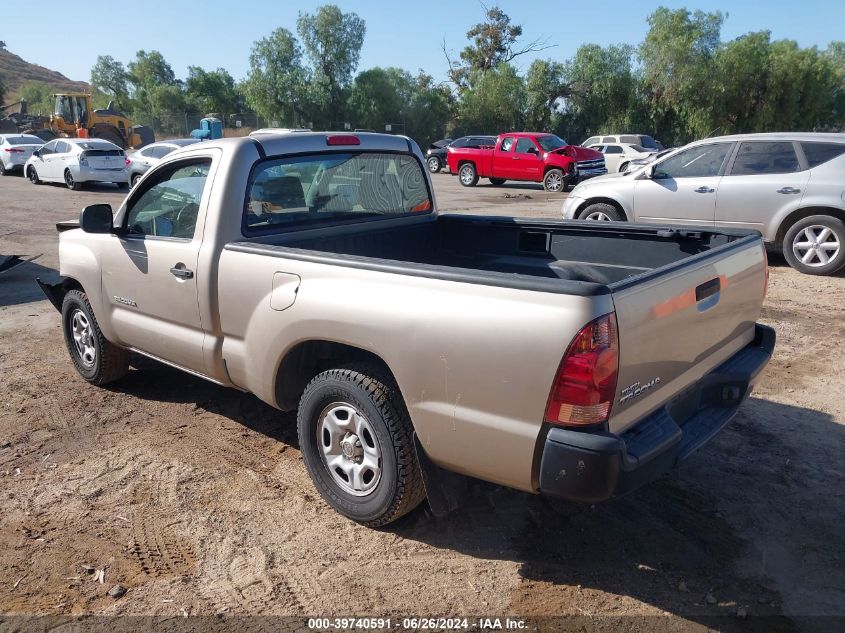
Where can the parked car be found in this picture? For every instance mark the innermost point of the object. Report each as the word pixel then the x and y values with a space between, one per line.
pixel 314 271
pixel 639 162
pixel 143 159
pixel 15 150
pixel 76 161
pixel 527 156
pixel 788 186
pixel 643 140
pixel 435 156
pixel 618 155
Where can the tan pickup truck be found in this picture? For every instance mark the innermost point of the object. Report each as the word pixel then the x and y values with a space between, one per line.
pixel 571 359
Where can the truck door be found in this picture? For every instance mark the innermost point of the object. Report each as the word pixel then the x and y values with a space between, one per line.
pixel 528 161
pixel 505 162
pixel 683 187
pixel 149 271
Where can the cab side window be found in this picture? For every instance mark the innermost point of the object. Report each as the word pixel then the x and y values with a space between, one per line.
pixel 169 205
pixel 507 144
pixel 695 162
pixel 526 146
pixel 765 157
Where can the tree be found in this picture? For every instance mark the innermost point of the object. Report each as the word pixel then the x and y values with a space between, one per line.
pixel 493 102
pixel 110 77
pixel 211 91
pixel 545 86
pixel 150 69
pixel 38 96
pixel 275 86
pixel 379 96
pixel 332 41
pixel 429 110
pixel 494 41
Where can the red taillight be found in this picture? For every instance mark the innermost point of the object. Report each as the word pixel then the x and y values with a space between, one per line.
pixel 342 139
pixel 14 150
pixel 585 384
pixel 126 161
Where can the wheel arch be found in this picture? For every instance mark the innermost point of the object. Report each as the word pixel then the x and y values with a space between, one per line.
pixel 308 358
pixel 614 203
pixel 804 212
pixel 56 292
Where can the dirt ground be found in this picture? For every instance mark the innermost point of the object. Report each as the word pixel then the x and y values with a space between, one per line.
pixel 194 497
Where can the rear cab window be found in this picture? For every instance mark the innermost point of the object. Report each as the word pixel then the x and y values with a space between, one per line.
pixel 333 188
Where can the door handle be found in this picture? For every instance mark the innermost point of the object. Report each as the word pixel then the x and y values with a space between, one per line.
pixel 704 190
pixel 181 273
pixel 789 190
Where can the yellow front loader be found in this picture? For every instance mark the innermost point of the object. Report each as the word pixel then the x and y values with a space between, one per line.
pixel 74 115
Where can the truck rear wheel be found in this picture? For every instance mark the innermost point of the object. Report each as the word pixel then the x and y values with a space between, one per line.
pixel 468 175
pixel 96 359
pixel 357 443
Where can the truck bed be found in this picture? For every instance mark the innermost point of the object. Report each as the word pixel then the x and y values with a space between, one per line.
pixel 504 251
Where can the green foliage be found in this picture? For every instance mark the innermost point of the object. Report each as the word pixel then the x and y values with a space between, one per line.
pixel 109 77
pixel 276 85
pixel 39 97
pixel 211 91
pixel 2 91
pixel 493 102
pixel 332 42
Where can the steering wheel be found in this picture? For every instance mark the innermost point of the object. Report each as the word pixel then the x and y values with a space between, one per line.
pixel 186 218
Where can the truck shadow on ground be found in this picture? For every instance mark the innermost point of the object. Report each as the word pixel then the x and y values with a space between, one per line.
pixel 750 522
pixel 17 284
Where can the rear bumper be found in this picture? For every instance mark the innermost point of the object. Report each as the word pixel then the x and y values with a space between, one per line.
pixel 595 466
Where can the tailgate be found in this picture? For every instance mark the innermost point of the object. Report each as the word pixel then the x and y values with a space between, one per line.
pixel 681 321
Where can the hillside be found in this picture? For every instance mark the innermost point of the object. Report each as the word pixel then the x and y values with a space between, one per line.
pixel 15 72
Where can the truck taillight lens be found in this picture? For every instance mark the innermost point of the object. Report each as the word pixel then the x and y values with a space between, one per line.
pixel 583 390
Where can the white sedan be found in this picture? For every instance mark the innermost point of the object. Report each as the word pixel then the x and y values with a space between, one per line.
pixel 618 155
pixel 15 150
pixel 75 161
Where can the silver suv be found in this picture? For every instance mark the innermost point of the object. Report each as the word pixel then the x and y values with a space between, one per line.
pixel 788 186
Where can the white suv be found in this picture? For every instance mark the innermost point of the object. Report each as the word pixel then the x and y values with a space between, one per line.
pixel 790 187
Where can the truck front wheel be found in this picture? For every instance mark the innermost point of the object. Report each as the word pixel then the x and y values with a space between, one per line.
pixel 468 175
pixel 357 443
pixel 96 359
pixel 553 181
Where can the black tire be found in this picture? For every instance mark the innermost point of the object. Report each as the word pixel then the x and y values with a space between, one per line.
pixel 608 211
pixel 146 135
pixel 110 134
pixel 498 182
pixel 3 171
pixel 109 362
pixel 123 186
pixel 400 487
pixel 468 175
pixel 70 182
pixel 135 179
pixel 434 164
pixel 554 181
pixel 803 232
pixel 623 167
pixel 33 176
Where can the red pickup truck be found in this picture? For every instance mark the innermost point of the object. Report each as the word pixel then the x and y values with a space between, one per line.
pixel 527 156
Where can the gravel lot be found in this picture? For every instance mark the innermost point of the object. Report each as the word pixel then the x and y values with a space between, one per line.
pixel 194 497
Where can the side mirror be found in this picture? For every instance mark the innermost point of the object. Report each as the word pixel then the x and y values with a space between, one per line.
pixel 650 171
pixel 96 218
pixel 37 152
pixel 533 150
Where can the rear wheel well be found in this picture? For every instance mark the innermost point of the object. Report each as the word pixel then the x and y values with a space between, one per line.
pixel 799 215
pixel 609 201
pixel 465 162
pixel 309 358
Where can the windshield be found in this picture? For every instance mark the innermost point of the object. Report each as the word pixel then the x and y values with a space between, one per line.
pixel 638 148
pixel 24 140
pixel 550 142
pixel 324 188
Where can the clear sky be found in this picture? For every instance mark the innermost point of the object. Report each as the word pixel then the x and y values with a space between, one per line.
pixel 215 34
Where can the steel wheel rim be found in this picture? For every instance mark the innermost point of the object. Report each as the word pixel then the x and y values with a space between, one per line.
pixel 433 164
pixel 83 338
pixel 68 179
pixel 349 449
pixel 553 182
pixel 597 216
pixel 816 246
pixel 466 175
